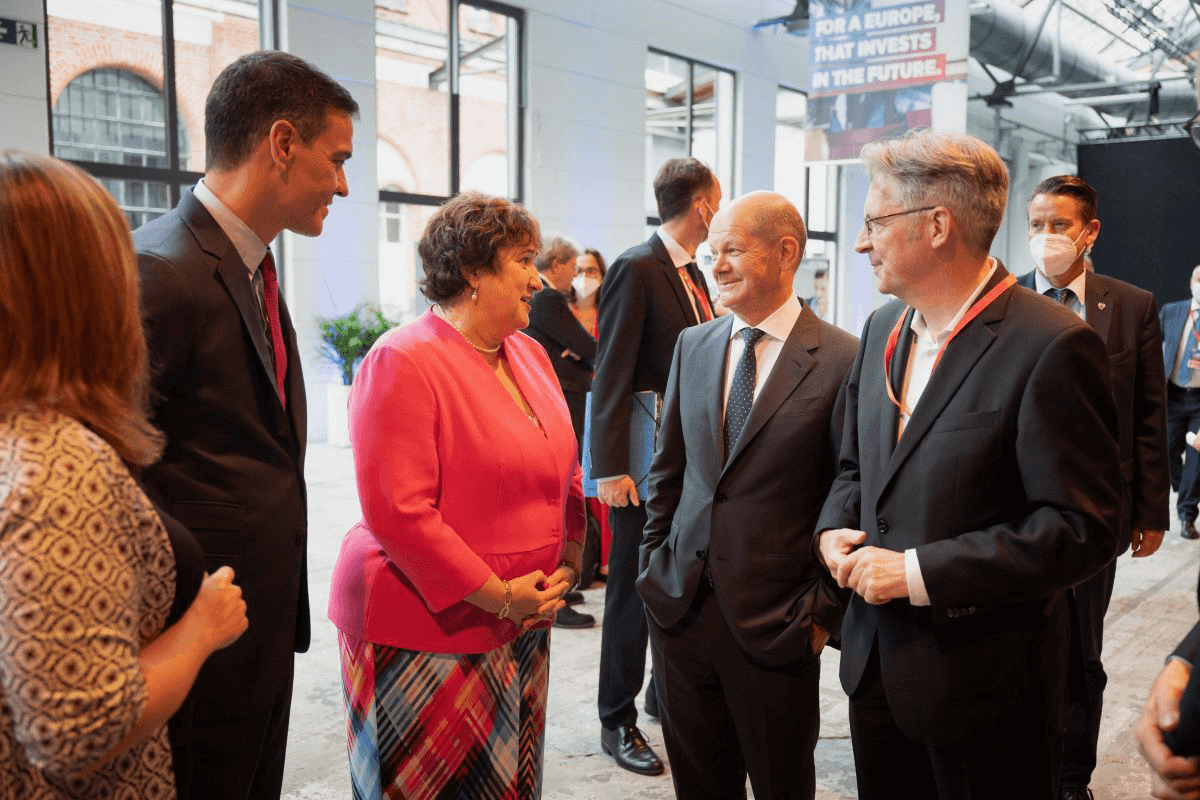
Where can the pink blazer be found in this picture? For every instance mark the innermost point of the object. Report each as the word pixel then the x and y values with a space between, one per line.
pixel 455 483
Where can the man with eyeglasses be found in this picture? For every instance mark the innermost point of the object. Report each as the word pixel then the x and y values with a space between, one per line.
pixel 1063 226
pixel 979 482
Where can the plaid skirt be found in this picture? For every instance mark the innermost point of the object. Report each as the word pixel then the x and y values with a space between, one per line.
pixel 448 726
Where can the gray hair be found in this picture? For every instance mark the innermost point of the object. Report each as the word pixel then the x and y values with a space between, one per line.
pixel 955 170
pixel 555 250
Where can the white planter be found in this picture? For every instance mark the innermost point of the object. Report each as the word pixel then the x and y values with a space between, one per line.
pixel 337 398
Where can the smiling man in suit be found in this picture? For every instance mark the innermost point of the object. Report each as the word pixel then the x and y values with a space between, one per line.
pixel 652 292
pixel 979 481
pixel 747 449
pixel 1063 226
pixel 229 395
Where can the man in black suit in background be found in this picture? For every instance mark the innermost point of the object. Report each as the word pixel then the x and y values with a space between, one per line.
pixel 650 293
pixel 229 395
pixel 979 481
pixel 1180 323
pixel 1063 226
pixel 748 445
pixel 572 352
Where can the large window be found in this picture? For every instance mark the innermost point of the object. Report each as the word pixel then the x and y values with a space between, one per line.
pixel 813 190
pixel 689 112
pixel 115 94
pixel 449 119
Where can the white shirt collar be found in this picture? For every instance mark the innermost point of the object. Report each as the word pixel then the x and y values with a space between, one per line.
pixel 245 241
pixel 778 325
pixel 679 256
pixel 1077 286
pixel 921 329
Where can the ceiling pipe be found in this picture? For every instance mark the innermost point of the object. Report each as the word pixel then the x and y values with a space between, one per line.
pixel 1003 36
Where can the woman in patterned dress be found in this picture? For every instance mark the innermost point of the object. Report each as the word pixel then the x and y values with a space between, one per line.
pixel 89 669
pixel 472 526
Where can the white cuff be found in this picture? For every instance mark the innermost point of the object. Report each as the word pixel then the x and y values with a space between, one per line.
pixel 912 576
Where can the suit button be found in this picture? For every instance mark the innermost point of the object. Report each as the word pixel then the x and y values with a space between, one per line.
pixel 701 554
pixel 883 525
pixel 720 498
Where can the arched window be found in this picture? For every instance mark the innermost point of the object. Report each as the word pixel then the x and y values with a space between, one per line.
pixel 112 116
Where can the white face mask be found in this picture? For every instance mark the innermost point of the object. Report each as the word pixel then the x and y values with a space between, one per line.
pixel 585 285
pixel 1054 253
pixel 1196 292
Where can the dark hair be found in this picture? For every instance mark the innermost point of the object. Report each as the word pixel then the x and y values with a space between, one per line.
pixel 676 184
pixel 463 238
pixel 594 253
pixel 258 89
pixel 69 304
pixel 1070 186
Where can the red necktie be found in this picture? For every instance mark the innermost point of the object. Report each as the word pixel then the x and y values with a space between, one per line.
pixel 271 301
pixel 703 309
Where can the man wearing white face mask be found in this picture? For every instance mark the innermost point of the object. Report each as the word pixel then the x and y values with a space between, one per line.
pixel 1063 226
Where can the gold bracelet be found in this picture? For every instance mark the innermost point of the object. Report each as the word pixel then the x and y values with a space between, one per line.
pixel 507 600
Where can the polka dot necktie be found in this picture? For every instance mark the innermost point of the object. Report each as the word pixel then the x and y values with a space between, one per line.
pixel 741 392
pixel 1064 296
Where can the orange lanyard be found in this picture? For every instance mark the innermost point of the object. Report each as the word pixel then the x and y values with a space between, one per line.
pixel 971 314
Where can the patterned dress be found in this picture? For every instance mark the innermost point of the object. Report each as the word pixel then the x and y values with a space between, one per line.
pixel 86 580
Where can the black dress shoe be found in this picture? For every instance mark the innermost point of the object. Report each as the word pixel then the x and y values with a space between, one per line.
pixel 1189 530
pixel 628 748
pixel 571 598
pixel 570 618
pixel 1075 793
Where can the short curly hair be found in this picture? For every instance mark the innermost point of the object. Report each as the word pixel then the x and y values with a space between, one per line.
pixel 464 237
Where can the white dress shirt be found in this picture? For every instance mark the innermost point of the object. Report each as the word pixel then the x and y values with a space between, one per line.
pixel 777 327
pixel 680 258
pixel 921 358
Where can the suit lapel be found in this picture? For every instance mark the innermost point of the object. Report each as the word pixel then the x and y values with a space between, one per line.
pixel 794 362
pixel 959 359
pixel 1098 306
pixel 709 382
pixel 672 277
pixel 232 272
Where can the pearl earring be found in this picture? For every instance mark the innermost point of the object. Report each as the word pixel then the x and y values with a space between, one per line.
pixel 475 294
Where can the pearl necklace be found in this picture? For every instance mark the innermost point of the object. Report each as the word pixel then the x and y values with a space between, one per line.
pixel 441 312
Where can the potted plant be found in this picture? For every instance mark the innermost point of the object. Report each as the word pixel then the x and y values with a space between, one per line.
pixel 345 340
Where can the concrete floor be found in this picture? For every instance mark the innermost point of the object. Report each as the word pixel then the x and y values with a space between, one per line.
pixel 1153 606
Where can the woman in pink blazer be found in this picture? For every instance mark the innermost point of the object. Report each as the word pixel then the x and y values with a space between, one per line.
pixel 472 525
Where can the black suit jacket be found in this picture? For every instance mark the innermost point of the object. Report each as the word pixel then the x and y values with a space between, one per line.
pixel 1006 483
pixel 556 328
pixel 1126 318
pixel 233 468
pixel 643 306
pixel 753 513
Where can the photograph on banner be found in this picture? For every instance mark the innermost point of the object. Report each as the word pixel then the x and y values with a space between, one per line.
pixel 873 68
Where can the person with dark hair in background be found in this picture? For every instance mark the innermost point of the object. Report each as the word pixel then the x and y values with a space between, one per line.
pixel 1063 226
pixel 1180 323
pixel 472 525
pixel 229 395
pixel 572 352
pixel 979 482
pixel 106 615
pixel 652 292
pixel 738 610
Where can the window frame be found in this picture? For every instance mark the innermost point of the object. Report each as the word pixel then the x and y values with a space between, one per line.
pixel 653 219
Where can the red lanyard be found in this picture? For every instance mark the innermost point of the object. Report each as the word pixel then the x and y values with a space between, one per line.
pixel 971 314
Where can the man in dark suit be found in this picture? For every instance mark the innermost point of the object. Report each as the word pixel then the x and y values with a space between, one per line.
pixel 979 481
pixel 1181 362
pixel 738 610
pixel 229 395
pixel 572 352
pixel 1063 226
pixel 651 293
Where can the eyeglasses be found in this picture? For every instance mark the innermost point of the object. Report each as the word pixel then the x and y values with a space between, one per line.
pixel 870 223
pixel 1192 126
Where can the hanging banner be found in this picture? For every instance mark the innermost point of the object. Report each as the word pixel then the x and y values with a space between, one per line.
pixel 873 66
